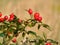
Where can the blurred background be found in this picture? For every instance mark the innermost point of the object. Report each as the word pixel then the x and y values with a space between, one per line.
pixel 48 9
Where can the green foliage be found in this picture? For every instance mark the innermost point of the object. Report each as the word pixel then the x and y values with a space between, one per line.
pixel 0 44
pixel 39 26
pixel 52 41
pixel 31 32
pixel 46 26
pixel 23 34
pixel 14 28
pixel 2 34
pixel 44 35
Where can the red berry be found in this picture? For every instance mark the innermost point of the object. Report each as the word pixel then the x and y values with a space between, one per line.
pixel 40 19
pixel 19 20
pixel 14 40
pixel 12 15
pixel 5 17
pixel 10 19
pixel 30 11
pixel 1 19
pixel 36 16
pixel 0 14
pixel 48 43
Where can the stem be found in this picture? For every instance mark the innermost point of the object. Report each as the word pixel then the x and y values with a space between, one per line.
pixel 31 16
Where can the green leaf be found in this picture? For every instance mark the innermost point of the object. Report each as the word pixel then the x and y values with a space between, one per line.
pixel 32 23
pixel 39 26
pixel 1 44
pixel 31 32
pixel 2 34
pixel 40 40
pixel 52 41
pixel 44 35
pixel 11 30
pixel 23 34
pixel 2 27
pixel 46 26
pixel 6 23
pixel 29 25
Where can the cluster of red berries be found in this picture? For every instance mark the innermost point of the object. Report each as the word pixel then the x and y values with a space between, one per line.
pixel 10 18
pixel 36 15
pixel 38 18
pixel 6 17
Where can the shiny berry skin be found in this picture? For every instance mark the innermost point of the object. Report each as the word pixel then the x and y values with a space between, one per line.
pixel 30 11
pixel 40 19
pixel 48 43
pixel 5 17
pixel 1 19
pixel 12 15
pixel 0 14
pixel 14 40
pixel 36 16
pixel 10 19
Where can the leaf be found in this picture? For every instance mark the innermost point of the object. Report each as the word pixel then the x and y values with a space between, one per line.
pixel 6 23
pixel 2 27
pixel 31 32
pixel 44 35
pixel 52 41
pixel 39 26
pixel 1 44
pixel 11 30
pixel 2 34
pixel 32 23
pixel 46 26
pixel 40 40
pixel 23 34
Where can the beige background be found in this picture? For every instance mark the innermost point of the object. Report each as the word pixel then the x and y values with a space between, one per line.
pixel 49 10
